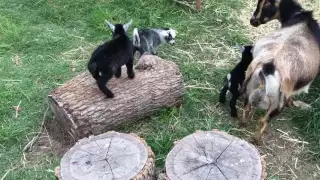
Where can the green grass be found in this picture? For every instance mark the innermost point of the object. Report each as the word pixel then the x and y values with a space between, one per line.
pixel 42 41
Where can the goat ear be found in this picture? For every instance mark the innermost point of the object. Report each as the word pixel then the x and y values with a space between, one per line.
pixel 173 33
pixel 136 38
pixel 241 48
pixel 126 26
pixel 111 26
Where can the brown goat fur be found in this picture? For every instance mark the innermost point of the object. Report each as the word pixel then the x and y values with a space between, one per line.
pixel 293 54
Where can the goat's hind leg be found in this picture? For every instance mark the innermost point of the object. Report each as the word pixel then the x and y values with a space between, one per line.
pixel 118 72
pixel 223 92
pixel 301 105
pixel 246 112
pixel 130 71
pixel 272 111
pixel 233 102
pixel 102 82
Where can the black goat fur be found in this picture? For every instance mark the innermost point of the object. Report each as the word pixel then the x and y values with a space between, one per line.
pixel 108 58
pixel 233 81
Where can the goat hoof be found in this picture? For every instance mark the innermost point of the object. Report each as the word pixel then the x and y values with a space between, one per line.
pixel 222 100
pixel 110 95
pixel 301 105
pixel 234 114
pixel 257 139
pixel 243 124
pixel 131 75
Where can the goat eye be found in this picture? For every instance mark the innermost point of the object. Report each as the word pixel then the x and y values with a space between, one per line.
pixel 169 37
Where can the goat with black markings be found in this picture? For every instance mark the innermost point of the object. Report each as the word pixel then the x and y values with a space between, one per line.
pixel 148 40
pixel 108 58
pixel 285 62
pixel 235 78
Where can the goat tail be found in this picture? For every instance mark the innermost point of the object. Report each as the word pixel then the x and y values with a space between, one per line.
pixel 272 79
pixel 93 69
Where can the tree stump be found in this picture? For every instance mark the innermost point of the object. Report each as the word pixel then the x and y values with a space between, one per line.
pixel 214 155
pixel 84 110
pixel 109 156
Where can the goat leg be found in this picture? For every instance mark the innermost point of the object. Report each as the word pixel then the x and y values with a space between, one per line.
pixel 301 105
pixel 246 112
pixel 233 102
pixel 130 71
pixel 223 93
pixel 289 102
pixel 102 81
pixel 118 72
pixel 263 125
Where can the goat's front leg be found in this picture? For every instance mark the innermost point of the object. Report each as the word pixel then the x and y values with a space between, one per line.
pixel 246 112
pixel 263 125
pixel 130 71
pixel 289 102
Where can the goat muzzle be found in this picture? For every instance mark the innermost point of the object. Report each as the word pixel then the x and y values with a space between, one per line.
pixel 254 22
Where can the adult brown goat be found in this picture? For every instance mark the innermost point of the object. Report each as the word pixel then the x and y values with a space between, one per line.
pixel 285 62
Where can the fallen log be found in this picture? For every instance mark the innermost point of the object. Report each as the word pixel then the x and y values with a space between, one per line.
pixel 111 155
pixel 214 155
pixel 83 110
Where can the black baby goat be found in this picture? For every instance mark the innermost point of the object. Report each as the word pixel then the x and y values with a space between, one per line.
pixel 108 58
pixel 235 78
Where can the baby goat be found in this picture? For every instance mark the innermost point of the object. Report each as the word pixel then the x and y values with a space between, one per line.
pixel 108 58
pixel 235 78
pixel 148 40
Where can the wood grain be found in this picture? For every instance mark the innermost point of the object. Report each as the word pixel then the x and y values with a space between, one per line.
pixel 113 155
pixel 214 155
pixel 83 110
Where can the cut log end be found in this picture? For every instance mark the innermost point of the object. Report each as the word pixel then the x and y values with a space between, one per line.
pixel 214 155
pixel 111 156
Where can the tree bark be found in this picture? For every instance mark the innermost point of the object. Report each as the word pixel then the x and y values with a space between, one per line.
pixel 83 109
pixel 214 155
pixel 112 155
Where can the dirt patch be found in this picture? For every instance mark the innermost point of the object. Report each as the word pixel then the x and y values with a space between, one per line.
pixel 286 152
pixel 53 140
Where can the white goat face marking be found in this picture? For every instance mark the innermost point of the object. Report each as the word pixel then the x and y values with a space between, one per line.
pixel 166 35
pixel 173 33
pixel 172 41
